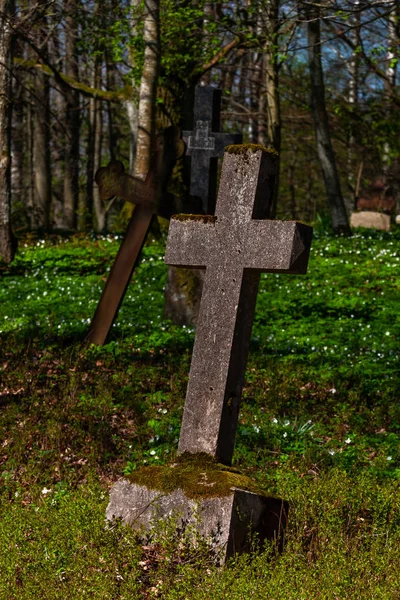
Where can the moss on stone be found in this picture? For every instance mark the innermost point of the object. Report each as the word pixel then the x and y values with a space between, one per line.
pixel 197 475
pixel 244 148
pixel 188 217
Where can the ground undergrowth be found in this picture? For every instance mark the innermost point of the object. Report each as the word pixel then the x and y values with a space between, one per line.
pixel 319 425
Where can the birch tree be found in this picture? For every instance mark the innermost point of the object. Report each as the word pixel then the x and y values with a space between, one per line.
pixel 148 87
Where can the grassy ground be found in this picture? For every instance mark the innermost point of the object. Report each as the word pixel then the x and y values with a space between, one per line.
pixel 320 425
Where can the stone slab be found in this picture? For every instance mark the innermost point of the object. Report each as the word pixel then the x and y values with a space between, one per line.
pixel 228 522
pixel 370 220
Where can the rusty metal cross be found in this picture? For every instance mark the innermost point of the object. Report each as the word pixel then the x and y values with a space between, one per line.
pixel 150 198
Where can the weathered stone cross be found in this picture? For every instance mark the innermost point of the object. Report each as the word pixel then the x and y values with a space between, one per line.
pixel 234 247
pixel 205 144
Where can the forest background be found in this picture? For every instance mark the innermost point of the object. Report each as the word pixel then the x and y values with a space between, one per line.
pixel 81 83
pixel 85 82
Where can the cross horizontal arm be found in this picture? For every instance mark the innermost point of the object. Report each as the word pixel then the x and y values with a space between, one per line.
pixel 189 240
pixel 277 246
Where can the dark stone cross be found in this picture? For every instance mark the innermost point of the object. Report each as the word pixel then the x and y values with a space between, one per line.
pixel 205 144
pixel 234 247
pixel 150 198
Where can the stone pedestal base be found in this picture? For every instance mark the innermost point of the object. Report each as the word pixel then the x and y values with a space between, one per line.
pixel 228 521
pixel 370 220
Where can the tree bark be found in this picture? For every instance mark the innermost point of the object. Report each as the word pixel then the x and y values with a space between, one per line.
pixel 392 44
pixel 41 141
pixel 272 87
pixel 30 196
pixel 87 202
pixel 148 87
pixel 353 103
pixel 132 114
pixel 99 210
pixel 72 120
pixel 340 223
pixel 6 238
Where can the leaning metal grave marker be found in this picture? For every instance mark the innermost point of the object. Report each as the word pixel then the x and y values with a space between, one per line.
pixel 205 144
pixel 150 198
pixel 234 247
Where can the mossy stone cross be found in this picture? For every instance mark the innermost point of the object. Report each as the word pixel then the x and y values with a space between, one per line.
pixel 234 247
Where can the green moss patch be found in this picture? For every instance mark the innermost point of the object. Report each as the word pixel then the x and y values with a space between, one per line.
pixel 244 148
pixel 202 218
pixel 198 475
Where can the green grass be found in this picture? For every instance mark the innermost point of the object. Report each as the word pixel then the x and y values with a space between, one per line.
pixel 319 425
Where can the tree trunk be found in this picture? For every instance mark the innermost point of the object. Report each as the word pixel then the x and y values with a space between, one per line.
pixel 30 196
pixel 132 113
pixel 6 238
pixel 18 137
pixel 41 141
pixel 353 102
pixel 326 156
pixel 72 120
pixel 112 130
pixel 87 202
pixel 99 209
pixel 148 87
pixel 272 87
pixel 292 187
pixel 391 57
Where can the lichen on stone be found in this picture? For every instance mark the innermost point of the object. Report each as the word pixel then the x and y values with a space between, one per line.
pixel 197 475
